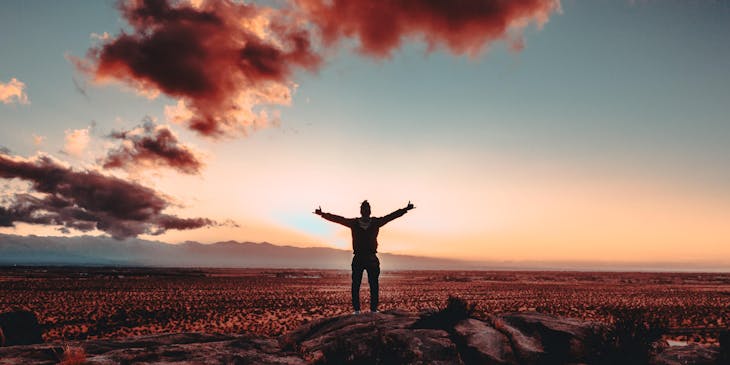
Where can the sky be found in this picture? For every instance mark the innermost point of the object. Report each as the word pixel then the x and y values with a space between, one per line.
pixel 572 131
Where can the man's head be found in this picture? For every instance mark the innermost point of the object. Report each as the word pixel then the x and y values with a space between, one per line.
pixel 365 209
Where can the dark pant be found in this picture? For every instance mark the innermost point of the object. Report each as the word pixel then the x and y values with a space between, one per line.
pixel 372 265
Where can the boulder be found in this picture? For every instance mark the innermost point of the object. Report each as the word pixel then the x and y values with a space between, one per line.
pixel 691 354
pixel 179 348
pixel 309 336
pixel 563 340
pixel 386 338
pixel 19 327
pixel 528 350
pixel 483 343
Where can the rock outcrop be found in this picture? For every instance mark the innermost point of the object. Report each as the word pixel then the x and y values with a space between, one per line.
pixel 538 338
pixel 371 338
pixel 691 354
pixel 181 348
pixel 391 337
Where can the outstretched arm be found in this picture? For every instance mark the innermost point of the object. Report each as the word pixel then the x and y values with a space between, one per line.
pixel 332 217
pixel 396 214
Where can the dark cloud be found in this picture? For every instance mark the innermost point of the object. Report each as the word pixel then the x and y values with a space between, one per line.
pixel 151 145
pixel 224 60
pixel 86 200
pixel 463 26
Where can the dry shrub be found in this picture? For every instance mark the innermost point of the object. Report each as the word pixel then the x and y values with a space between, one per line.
pixel 73 355
pixel 456 309
pixel 634 332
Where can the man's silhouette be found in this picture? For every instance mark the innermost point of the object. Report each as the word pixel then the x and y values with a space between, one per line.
pixel 364 246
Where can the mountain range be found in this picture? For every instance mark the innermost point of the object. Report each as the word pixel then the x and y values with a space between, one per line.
pixel 105 251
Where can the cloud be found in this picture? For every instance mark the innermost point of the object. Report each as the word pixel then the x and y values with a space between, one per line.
pixel 100 37
pixel 462 26
pixel 230 64
pixel 38 140
pixel 86 200
pixel 76 141
pixel 13 92
pixel 226 62
pixel 152 145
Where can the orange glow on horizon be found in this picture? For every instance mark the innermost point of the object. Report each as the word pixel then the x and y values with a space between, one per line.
pixel 561 219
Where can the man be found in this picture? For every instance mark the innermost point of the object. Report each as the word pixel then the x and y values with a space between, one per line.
pixel 364 246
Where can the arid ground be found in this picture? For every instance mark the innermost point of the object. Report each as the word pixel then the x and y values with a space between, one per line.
pixel 80 303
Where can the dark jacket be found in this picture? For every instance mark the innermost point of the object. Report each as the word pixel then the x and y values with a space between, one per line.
pixel 364 234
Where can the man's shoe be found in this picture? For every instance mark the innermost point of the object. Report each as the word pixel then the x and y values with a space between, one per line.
pixel 357 312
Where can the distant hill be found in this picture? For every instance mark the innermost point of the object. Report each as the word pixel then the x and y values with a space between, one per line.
pixel 105 251
pixel 94 250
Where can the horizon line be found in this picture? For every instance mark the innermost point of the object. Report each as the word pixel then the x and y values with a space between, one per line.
pixel 697 266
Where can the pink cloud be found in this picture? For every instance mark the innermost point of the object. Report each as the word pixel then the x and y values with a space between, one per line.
pixel 76 141
pixel 13 92
pixel 38 140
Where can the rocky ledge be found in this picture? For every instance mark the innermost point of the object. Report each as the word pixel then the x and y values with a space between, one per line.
pixel 391 337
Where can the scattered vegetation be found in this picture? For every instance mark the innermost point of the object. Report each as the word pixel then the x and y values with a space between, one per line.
pixel 77 303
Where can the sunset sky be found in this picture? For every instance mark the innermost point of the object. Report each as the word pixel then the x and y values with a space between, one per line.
pixel 574 131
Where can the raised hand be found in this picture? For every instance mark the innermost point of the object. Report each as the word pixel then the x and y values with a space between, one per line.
pixel 409 206
pixel 318 211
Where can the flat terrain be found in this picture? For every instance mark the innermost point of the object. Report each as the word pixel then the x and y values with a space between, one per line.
pixel 81 303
